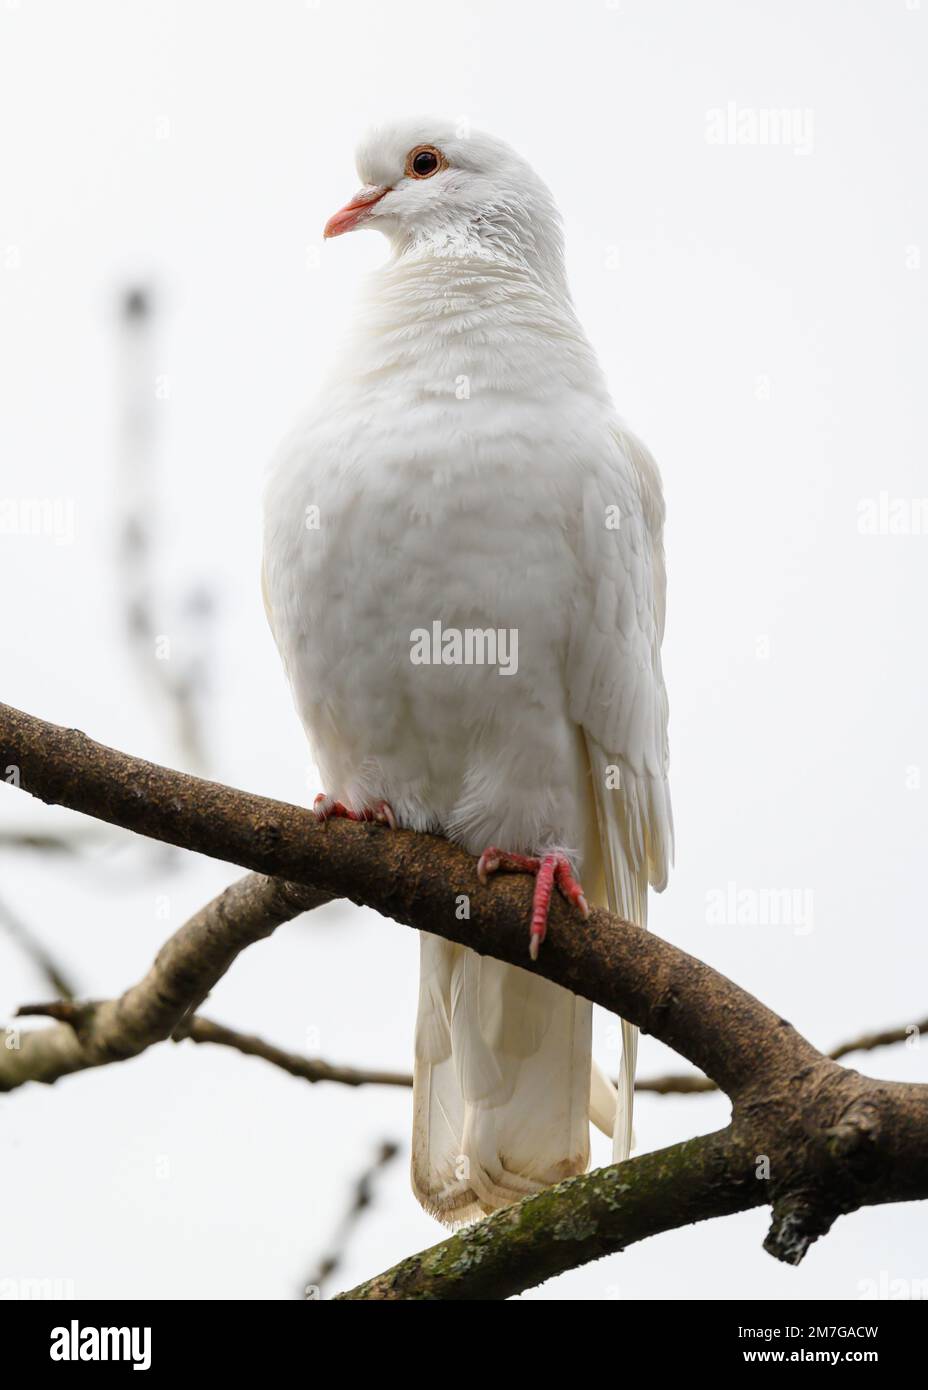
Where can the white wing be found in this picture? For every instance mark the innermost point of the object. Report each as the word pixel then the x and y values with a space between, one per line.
pixel 617 693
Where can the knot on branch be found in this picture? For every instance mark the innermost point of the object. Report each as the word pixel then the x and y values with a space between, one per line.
pixel 799 1218
pixel 853 1140
pixel 268 836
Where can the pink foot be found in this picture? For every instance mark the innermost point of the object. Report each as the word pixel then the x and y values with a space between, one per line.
pixel 552 869
pixel 326 807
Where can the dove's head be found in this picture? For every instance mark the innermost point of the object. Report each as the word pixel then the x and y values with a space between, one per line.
pixel 434 186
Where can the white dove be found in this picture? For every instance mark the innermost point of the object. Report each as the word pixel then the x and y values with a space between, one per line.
pixel 461 494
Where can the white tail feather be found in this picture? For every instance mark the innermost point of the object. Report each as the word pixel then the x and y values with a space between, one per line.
pixel 502 1083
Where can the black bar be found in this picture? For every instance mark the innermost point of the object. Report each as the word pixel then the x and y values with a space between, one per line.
pixel 259 1337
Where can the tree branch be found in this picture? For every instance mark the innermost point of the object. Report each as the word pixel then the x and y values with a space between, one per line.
pixel 582 1219
pixel 313 1069
pixel 808 1136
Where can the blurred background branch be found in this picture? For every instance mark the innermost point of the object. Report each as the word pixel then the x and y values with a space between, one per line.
pixel 362 1198
pixel 30 945
pixel 170 636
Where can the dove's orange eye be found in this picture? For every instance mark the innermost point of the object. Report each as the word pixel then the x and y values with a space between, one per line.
pixel 424 161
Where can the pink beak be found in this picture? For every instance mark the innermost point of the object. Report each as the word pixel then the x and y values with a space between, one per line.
pixel 348 217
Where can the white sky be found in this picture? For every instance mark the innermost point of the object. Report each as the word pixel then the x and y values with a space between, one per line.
pixel 760 310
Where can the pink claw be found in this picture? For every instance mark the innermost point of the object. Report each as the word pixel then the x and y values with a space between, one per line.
pixel 326 808
pixel 494 859
pixel 571 889
pixel 553 869
pixel 541 903
pixel 383 814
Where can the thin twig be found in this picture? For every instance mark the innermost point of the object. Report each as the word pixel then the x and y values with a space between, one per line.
pixel 42 843
pixel 361 1200
pixel 312 1069
pixel 679 1083
pixel 27 941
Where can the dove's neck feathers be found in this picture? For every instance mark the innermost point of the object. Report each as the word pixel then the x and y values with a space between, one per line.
pixel 518 234
pixel 436 318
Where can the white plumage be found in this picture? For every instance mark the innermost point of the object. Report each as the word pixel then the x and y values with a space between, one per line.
pixel 463 463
